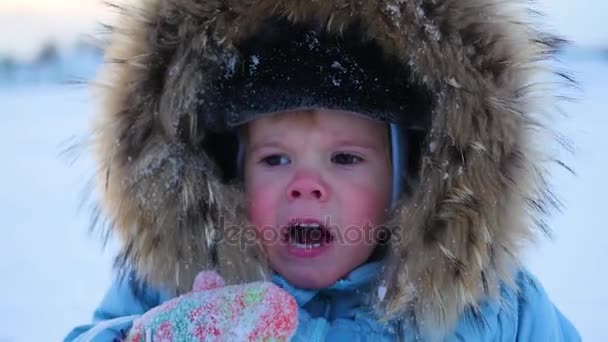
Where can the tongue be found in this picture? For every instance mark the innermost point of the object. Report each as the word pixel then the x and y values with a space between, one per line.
pixel 313 236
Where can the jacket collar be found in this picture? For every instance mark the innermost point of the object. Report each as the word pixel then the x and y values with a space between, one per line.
pixel 360 278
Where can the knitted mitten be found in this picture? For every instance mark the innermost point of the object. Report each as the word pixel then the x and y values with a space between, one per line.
pixel 257 311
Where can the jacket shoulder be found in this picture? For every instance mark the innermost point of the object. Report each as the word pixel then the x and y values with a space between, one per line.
pixel 538 318
pixel 126 299
pixel 523 313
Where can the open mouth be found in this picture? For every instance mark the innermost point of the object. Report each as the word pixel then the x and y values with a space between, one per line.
pixel 308 235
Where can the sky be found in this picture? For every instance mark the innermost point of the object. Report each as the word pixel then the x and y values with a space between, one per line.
pixel 26 24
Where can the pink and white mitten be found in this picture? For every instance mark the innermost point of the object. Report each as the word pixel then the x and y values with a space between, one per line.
pixel 258 311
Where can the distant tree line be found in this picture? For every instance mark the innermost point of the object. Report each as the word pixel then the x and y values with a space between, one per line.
pixel 52 63
pixel 49 53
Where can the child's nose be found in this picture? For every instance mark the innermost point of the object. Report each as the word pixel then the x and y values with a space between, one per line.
pixel 307 187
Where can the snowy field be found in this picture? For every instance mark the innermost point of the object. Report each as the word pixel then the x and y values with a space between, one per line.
pixel 54 273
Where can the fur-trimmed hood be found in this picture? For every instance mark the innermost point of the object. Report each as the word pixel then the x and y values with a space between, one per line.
pixel 479 192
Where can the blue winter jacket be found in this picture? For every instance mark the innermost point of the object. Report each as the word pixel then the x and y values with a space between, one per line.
pixel 342 313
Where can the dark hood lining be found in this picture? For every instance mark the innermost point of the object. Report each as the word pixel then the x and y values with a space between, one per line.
pixel 284 66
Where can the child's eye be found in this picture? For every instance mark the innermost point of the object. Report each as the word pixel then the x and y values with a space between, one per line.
pixel 275 160
pixel 346 159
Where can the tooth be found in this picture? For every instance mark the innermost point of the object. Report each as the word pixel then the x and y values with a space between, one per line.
pixel 306 246
pixel 310 225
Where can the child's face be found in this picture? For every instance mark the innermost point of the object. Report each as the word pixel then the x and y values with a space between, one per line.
pixel 326 168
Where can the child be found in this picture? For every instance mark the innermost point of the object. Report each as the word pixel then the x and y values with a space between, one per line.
pixel 338 170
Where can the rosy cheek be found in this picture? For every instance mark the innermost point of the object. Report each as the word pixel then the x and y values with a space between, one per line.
pixel 365 205
pixel 261 198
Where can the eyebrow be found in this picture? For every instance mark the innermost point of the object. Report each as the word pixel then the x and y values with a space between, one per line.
pixel 265 143
pixel 276 143
pixel 361 144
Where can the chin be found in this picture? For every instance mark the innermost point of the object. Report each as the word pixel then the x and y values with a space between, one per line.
pixel 311 283
pixel 310 280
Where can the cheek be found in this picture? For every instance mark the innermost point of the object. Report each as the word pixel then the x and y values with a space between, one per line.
pixel 364 203
pixel 366 193
pixel 262 198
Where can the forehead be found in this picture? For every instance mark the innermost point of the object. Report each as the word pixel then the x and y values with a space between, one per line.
pixel 332 122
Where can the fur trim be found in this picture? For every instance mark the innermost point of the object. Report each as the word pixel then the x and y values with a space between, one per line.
pixel 457 238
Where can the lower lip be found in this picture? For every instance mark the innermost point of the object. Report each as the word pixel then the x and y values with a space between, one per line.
pixel 308 252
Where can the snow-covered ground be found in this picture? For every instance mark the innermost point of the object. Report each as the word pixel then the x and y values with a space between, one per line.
pixel 54 273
